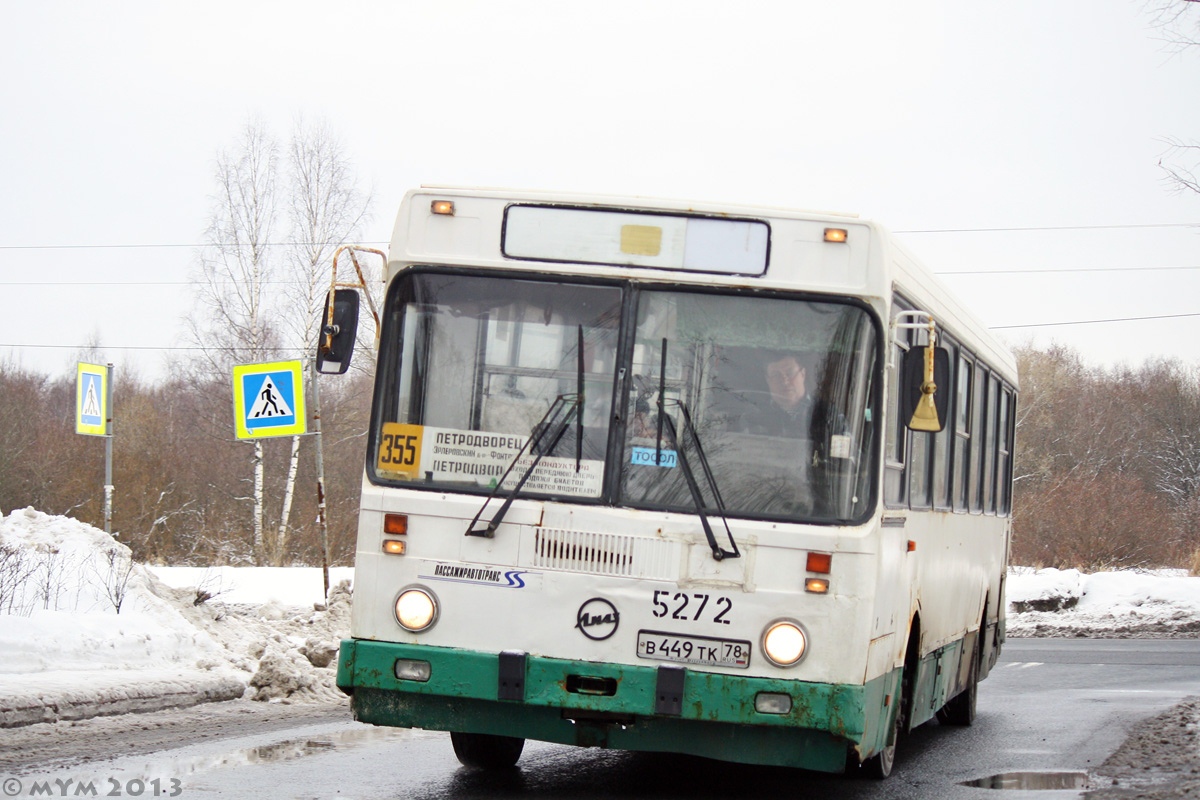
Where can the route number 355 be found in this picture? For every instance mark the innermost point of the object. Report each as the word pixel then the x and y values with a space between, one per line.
pixel 400 448
pixel 397 450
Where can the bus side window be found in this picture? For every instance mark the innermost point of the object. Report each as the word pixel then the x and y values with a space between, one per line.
pixel 991 440
pixel 978 407
pixel 1004 454
pixel 962 433
pixel 920 467
pixel 897 433
pixel 943 452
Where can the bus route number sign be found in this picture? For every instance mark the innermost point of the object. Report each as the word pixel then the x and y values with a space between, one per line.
pixel 400 449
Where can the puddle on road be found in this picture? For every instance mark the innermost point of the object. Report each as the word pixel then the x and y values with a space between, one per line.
pixel 197 759
pixel 286 750
pixel 1048 781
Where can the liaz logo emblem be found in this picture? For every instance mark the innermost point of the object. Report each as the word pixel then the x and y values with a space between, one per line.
pixel 597 619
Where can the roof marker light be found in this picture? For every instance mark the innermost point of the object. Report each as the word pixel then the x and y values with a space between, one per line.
pixel 442 207
pixel 835 234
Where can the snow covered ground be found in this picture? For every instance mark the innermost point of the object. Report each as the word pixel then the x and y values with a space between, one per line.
pixel 181 636
pixel 185 635
pixel 1121 604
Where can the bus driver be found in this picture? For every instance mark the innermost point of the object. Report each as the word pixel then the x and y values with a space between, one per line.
pixel 792 412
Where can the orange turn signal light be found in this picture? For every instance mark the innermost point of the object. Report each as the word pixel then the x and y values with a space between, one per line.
pixel 820 563
pixel 817 585
pixel 394 547
pixel 395 524
pixel 443 207
pixel 835 234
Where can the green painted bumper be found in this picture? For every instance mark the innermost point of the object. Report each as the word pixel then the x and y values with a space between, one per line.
pixel 614 705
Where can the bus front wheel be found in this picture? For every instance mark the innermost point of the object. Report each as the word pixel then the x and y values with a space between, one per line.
pixel 486 751
pixel 879 766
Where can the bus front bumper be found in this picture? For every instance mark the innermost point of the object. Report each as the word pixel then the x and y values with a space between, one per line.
pixel 663 708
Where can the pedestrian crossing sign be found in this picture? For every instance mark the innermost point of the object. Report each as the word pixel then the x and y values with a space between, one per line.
pixel 268 399
pixel 91 400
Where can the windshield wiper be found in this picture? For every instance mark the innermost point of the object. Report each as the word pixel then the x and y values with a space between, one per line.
pixel 542 440
pixel 718 552
pixel 544 437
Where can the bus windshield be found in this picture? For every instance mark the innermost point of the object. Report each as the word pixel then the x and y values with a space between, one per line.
pixel 775 393
pixel 772 396
pixel 476 363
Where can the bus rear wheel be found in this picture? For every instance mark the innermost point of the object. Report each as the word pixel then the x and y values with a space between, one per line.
pixel 486 751
pixel 961 708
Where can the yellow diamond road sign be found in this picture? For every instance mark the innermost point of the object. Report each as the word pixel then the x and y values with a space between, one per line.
pixel 91 400
pixel 268 399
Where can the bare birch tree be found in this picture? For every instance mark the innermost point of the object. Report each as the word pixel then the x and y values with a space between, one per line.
pixel 272 235
pixel 1178 22
pixel 325 209
pixel 230 322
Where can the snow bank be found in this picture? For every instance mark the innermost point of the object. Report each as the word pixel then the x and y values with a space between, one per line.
pixel 260 586
pixel 1127 603
pixel 85 631
pixel 60 605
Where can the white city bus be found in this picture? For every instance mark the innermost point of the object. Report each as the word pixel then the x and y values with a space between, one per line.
pixel 643 475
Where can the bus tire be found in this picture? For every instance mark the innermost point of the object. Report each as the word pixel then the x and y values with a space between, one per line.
pixel 486 751
pixel 880 765
pixel 960 710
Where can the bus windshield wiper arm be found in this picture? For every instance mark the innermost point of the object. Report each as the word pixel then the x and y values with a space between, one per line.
pixel 542 439
pixel 685 466
pixel 689 475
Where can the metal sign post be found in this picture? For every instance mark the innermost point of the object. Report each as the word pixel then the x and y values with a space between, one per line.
pixel 93 417
pixel 322 524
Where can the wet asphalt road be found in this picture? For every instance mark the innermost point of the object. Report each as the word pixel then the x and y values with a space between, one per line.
pixel 1048 706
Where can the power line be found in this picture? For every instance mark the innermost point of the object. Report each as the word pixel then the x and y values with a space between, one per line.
pixel 301 350
pixel 1090 321
pixel 1057 228
pixel 1033 271
pixel 146 347
pixel 169 245
pixel 1051 270
pixel 151 283
pixel 164 245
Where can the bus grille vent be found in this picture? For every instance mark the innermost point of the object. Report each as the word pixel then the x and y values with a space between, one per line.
pixel 606 554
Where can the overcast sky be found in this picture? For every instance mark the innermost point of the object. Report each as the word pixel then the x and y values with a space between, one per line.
pixel 961 125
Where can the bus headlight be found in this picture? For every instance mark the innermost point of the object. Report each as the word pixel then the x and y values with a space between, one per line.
pixel 785 642
pixel 416 609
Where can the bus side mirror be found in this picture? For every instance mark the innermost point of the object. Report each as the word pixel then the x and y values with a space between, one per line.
pixel 925 403
pixel 335 342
